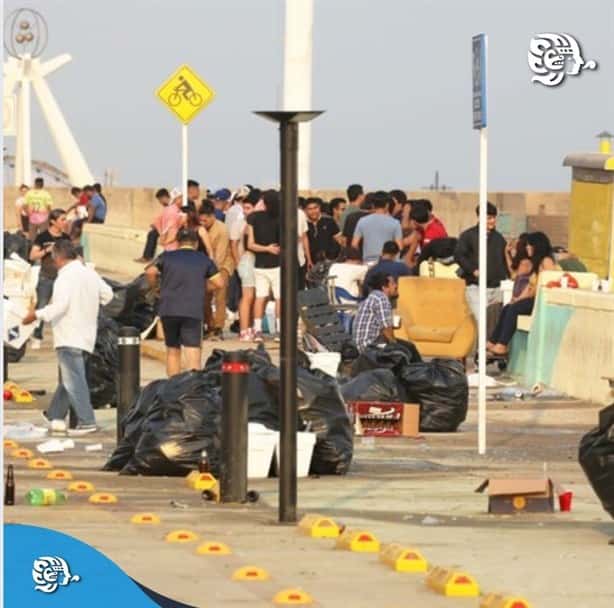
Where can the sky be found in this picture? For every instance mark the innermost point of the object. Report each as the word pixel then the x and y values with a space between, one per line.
pixel 393 76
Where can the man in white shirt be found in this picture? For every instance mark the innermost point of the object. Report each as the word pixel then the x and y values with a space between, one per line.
pixel 78 293
pixel 349 275
pixel 304 254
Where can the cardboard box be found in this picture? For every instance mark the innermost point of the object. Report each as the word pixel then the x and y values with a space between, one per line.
pixel 519 495
pixel 380 419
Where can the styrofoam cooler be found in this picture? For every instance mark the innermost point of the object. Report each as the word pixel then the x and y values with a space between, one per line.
pixel 261 444
pixel 326 362
pixel 305 443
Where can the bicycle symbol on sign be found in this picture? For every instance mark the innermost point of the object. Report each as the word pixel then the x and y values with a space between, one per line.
pixel 184 89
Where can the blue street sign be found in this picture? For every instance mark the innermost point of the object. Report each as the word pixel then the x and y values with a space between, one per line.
pixel 479 43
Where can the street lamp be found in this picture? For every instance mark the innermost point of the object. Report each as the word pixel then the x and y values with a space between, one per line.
pixel 288 146
pixel 605 142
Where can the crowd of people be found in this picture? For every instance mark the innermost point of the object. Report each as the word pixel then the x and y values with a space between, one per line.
pixel 361 245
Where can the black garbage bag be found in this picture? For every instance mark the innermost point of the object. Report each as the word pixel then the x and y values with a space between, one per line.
pixel 15 355
pixel 103 364
pixel 134 304
pixel 394 356
pixel 169 425
pixel 440 387
pixel 596 457
pixel 374 385
pixel 16 243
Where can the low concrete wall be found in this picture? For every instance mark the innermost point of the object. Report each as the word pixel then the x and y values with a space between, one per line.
pixel 136 207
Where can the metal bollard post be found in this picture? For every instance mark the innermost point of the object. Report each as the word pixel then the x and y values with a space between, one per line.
pixel 5 364
pixel 233 467
pixel 129 377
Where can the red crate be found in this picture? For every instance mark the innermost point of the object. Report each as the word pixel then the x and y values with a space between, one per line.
pixel 380 419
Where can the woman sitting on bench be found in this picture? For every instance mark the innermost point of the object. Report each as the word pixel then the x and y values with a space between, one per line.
pixel 540 252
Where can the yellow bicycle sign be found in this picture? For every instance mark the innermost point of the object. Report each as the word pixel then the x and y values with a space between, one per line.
pixel 185 94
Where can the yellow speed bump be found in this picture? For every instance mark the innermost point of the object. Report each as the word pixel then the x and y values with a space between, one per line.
pixel 201 481
pixel 360 541
pixel 403 559
pixel 59 474
pixel 494 600
pixel 319 526
pixel 21 453
pixel 81 486
pixel 250 573
pixel 102 498
pixel 23 396
pixel 213 548
pixel 9 444
pixel 452 583
pixel 181 536
pixel 145 518
pixel 292 596
pixel 39 463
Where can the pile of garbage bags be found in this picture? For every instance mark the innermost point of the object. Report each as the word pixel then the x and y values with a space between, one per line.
pixel 134 304
pixel 103 364
pixel 173 420
pixel 16 243
pixel 596 457
pixel 397 373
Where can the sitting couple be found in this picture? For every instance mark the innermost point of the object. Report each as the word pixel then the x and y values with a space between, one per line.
pixel 533 255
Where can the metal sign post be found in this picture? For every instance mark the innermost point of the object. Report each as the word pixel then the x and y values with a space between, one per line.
pixel 288 129
pixel 479 47
pixel 185 94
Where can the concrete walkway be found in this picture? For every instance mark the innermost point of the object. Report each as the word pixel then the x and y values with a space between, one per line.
pixel 415 492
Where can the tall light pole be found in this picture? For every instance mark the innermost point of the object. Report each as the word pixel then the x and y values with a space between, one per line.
pixel 298 58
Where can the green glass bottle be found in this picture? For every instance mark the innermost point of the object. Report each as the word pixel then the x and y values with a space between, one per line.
pixel 40 497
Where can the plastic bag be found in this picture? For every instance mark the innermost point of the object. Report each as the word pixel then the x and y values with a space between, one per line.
pixel 441 388
pixel 133 305
pixel 596 457
pixel 102 365
pixel 169 425
pixel 394 356
pixel 15 355
pixel 374 385
pixel 16 243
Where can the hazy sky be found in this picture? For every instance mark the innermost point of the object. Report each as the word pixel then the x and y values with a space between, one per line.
pixel 394 77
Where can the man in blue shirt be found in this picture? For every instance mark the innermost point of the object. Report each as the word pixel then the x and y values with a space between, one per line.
pixel 373 323
pixel 388 264
pixel 96 208
pixel 185 274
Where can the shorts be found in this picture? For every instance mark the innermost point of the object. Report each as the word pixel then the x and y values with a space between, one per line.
pixel 267 280
pixel 182 331
pixel 246 271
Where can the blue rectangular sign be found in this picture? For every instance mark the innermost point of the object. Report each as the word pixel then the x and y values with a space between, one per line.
pixel 479 43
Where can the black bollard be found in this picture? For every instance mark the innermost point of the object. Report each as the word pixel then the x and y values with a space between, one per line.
pixel 233 466
pixel 5 364
pixel 129 377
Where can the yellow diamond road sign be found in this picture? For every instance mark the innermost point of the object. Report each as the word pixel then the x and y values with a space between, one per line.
pixel 185 94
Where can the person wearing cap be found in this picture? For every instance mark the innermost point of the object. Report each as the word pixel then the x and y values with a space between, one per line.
pixel 221 200
pixel 467 255
pixel 171 221
pixel 185 276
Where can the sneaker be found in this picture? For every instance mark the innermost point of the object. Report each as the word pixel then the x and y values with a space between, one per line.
pixel 275 337
pixel 56 425
pixel 257 336
pixel 142 260
pixel 35 344
pixel 82 429
pixel 246 336
pixel 217 335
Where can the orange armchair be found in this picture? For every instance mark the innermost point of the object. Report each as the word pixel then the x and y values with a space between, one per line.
pixel 435 317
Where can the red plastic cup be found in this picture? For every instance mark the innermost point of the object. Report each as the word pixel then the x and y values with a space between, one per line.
pixel 565 501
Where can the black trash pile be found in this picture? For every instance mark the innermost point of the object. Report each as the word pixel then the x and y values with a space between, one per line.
pixel 134 304
pixel 596 457
pixel 173 420
pixel 16 243
pixel 397 373
pixel 103 364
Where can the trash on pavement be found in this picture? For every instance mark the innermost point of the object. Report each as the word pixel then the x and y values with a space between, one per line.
pixel 519 495
pixel 23 431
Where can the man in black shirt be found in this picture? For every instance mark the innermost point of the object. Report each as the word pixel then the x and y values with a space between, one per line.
pixel 467 256
pixel 185 274
pixel 322 232
pixel 41 252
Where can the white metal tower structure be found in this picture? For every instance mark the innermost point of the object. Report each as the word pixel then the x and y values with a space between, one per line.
pixel 25 39
pixel 298 52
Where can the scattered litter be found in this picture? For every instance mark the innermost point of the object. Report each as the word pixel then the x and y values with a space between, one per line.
pixel 55 445
pixel 23 430
pixel 178 505
pixel 474 381
pixel 94 447
pixel 430 521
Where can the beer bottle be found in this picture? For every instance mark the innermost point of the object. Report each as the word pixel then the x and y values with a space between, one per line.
pixel 9 486
pixel 203 463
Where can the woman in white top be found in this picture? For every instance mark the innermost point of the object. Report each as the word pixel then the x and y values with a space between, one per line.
pixel 349 274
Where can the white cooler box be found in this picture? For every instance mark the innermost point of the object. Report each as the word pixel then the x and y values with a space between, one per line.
pixel 305 443
pixel 261 444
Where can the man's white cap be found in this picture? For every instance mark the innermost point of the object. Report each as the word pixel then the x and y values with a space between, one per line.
pixel 176 193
